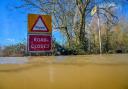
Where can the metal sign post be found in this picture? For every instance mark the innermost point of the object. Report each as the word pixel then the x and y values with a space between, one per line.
pixel 100 42
pixel 94 10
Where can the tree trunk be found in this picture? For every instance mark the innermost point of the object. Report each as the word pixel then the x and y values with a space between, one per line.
pixel 82 28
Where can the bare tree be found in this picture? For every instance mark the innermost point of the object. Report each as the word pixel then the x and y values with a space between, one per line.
pixel 72 16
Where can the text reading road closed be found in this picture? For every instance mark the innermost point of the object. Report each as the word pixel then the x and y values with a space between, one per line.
pixel 39 43
pixel 40 46
pixel 36 39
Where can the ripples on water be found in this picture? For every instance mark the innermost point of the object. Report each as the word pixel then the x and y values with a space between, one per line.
pixel 96 72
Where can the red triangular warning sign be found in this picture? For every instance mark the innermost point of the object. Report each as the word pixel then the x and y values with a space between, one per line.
pixel 39 25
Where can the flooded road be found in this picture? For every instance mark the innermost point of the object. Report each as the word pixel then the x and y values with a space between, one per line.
pixel 65 72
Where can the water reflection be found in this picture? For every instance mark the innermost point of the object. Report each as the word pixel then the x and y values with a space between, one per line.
pixel 13 60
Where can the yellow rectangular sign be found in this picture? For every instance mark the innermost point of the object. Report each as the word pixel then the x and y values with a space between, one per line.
pixel 39 23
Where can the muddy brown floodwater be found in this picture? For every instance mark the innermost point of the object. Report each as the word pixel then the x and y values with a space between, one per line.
pixel 65 72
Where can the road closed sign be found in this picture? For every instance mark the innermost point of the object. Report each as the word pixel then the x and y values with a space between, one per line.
pixel 39 23
pixel 39 43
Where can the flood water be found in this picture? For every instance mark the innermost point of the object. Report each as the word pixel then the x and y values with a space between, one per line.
pixel 65 72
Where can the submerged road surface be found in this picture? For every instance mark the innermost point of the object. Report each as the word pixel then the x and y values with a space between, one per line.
pixel 64 72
